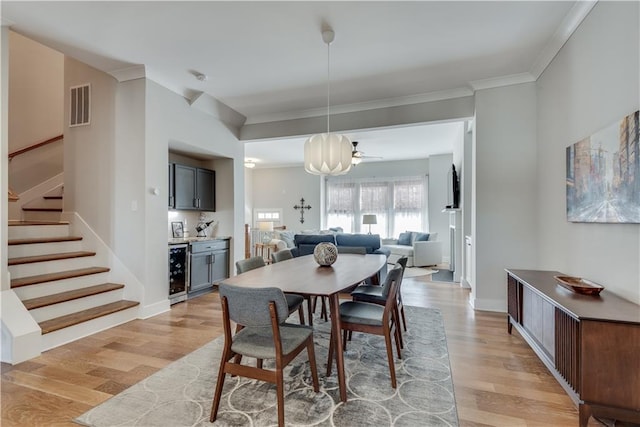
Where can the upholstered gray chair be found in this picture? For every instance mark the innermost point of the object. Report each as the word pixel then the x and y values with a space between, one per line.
pixel 294 302
pixel 265 335
pixel 357 316
pixel 373 294
pixel 281 255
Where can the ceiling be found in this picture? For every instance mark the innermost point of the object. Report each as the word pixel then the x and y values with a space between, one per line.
pixel 267 61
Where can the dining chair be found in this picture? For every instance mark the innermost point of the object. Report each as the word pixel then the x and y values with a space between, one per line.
pixel 294 301
pixel 285 254
pixel 358 316
pixel 265 335
pixel 281 255
pixel 373 294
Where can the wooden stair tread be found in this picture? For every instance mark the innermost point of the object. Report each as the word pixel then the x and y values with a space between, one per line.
pixel 43 240
pixel 85 315
pixel 35 209
pixel 47 300
pixel 48 257
pixel 21 223
pixel 60 275
pixel 52 197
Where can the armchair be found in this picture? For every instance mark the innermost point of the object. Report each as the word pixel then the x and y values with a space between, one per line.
pixel 421 249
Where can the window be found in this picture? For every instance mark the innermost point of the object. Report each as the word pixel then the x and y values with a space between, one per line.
pixel 399 204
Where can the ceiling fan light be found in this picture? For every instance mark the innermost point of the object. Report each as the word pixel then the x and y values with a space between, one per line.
pixel 355 160
pixel 327 154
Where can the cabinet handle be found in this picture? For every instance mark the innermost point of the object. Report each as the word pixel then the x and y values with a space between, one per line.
pixel 213 258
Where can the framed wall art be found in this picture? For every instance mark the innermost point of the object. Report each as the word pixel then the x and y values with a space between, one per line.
pixel 603 175
pixel 177 229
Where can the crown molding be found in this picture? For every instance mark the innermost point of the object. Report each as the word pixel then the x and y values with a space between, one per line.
pixel 130 73
pixel 569 24
pixel 512 79
pixel 362 106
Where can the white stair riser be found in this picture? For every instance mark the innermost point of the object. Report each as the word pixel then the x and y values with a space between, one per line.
pixel 41 216
pixel 72 333
pixel 50 288
pixel 44 203
pixel 31 231
pixel 37 268
pixel 68 307
pixel 33 249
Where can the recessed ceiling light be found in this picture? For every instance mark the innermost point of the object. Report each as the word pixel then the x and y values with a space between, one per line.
pixel 201 77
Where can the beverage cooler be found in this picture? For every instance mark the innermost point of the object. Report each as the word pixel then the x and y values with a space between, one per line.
pixel 178 272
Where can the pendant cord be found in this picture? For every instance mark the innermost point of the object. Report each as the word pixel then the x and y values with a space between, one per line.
pixel 328 83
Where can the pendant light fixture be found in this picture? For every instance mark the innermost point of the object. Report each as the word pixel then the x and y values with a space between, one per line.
pixel 327 153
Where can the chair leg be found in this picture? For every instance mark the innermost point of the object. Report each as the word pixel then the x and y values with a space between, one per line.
pixel 301 314
pixel 259 363
pixel 404 319
pixel 280 393
pixel 219 385
pixel 344 339
pixel 330 358
pixel 398 339
pixel 397 323
pixel 392 369
pixel 310 310
pixel 324 310
pixel 312 364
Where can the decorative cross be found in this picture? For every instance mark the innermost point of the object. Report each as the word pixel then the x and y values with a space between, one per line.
pixel 302 207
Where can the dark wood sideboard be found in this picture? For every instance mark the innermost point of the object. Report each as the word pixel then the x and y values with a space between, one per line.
pixel 591 344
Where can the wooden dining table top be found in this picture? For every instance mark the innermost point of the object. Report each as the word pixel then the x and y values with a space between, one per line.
pixel 302 275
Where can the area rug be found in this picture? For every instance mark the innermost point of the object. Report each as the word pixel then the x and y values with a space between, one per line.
pixel 181 393
pixel 417 271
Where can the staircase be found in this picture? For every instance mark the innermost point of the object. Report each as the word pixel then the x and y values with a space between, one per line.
pixel 58 281
pixel 48 208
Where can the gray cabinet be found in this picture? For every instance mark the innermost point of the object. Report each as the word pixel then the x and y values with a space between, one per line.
pixel 209 264
pixel 193 188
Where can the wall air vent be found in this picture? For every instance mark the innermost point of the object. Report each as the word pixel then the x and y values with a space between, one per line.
pixel 80 104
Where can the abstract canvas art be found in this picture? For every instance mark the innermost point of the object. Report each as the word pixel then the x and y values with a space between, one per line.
pixel 603 175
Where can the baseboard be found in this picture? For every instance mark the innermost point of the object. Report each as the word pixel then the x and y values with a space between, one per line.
pixel 151 310
pixel 496 305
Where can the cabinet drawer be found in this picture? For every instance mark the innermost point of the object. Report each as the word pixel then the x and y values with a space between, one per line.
pixel 209 245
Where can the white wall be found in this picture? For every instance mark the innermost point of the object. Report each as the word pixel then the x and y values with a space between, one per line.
pixel 504 229
pixel 89 152
pixel 36 97
pixel 4 151
pixel 282 188
pixel 592 83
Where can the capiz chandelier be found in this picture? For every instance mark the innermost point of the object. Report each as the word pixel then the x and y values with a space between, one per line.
pixel 327 153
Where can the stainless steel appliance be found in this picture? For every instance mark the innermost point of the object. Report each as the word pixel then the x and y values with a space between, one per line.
pixel 178 272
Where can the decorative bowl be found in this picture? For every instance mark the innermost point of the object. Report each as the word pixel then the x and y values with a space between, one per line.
pixel 579 285
pixel 325 253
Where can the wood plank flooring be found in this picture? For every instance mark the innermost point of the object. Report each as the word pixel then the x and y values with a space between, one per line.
pixel 498 379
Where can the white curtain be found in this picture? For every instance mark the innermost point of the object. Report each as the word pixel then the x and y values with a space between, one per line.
pixel 399 204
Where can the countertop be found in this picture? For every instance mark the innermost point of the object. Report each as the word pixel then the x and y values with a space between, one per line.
pixel 183 241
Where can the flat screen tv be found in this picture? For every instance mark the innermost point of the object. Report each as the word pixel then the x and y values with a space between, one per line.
pixel 453 196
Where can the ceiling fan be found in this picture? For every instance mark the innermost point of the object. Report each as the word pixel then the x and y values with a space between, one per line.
pixel 357 156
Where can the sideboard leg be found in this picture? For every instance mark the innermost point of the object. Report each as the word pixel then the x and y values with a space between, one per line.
pixel 584 413
pixel 509 325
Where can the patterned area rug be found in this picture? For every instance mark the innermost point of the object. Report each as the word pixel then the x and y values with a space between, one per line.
pixel 181 393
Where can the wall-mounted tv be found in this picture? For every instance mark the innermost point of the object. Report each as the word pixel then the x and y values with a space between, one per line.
pixel 453 190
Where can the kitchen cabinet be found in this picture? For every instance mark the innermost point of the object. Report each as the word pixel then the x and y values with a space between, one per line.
pixel 194 188
pixel 209 264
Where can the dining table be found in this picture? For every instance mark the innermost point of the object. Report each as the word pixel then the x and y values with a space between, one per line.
pixel 302 275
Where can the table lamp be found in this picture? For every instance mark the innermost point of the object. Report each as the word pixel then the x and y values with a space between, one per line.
pixel 368 220
pixel 266 228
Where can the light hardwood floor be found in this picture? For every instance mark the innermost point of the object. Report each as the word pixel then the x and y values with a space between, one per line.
pixel 498 380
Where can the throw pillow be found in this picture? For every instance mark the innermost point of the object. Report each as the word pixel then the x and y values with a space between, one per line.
pixel 287 237
pixel 421 237
pixel 405 239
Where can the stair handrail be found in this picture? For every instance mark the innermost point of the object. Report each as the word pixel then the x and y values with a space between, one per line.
pixel 34 146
